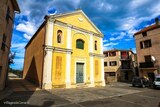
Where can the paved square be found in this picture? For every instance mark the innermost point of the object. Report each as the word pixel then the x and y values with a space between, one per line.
pixel 115 95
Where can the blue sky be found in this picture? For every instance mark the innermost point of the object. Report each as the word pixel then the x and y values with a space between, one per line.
pixel 118 20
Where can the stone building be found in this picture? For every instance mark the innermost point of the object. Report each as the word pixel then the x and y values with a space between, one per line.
pixel 7 13
pixel 119 65
pixel 8 8
pixel 148 50
pixel 66 51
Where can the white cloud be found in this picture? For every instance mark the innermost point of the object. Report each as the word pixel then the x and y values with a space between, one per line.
pixel 18 63
pixel 127 39
pixel 156 9
pixel 18 47
pixel 121 36
pixel 110 44
pixel 26 27
pixel 27 36
pixel 20 54
pixel 137 3
pixel 76 3
pixel 134 50
pixel 105 41
pixel 129 23
pixel 104 6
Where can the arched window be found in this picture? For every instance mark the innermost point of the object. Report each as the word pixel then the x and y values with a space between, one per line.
pixel 95 45
pixel 79 44
pixel 59 36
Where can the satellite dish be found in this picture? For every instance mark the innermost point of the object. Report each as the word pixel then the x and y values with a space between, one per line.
pixel 153 59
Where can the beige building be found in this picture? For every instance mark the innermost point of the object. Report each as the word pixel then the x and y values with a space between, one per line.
pixel 119 65
pixel 148 50
pixel 7 13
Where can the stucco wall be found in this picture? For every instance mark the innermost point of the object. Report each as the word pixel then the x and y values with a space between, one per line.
pixel 33 62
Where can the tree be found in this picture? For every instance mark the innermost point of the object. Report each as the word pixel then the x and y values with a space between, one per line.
pixel 11 57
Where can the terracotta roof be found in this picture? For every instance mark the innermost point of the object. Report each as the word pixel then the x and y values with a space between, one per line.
pixel 148 29
pixel 117 50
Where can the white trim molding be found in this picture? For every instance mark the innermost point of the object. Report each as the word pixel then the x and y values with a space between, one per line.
pixel 68 70
pixel 47 67
pixel 69 41
pixel 91 72
pixel 102 72
pixel 101 45
pixel 91 43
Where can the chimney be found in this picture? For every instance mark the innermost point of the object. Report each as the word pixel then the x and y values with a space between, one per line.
pixel 157 21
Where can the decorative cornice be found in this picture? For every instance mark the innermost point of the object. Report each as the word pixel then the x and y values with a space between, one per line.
pixel 57 49
pixel 76 28
pixel 96 55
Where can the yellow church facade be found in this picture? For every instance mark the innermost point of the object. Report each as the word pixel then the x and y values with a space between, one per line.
pixel 66 51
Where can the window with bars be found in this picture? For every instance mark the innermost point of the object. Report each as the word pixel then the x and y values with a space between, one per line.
pixel 79 44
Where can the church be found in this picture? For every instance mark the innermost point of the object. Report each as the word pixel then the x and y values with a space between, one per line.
pixel 65 52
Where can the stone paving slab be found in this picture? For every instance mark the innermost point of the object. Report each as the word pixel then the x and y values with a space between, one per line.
pixel 88 94
pixel 34 98
pixel 19 84
pixel 107 103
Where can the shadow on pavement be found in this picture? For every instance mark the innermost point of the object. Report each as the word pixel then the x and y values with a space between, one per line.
pixel 25 94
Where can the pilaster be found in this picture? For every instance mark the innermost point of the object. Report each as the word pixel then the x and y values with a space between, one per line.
pixel 91 62
pixel 47 68
pixel 68 58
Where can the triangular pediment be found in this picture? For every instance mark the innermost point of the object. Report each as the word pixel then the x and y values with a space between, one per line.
pixel 78 19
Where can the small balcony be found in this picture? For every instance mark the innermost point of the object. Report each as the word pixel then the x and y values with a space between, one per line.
pixel 146 65
pixel 125 58
pixel 125 65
